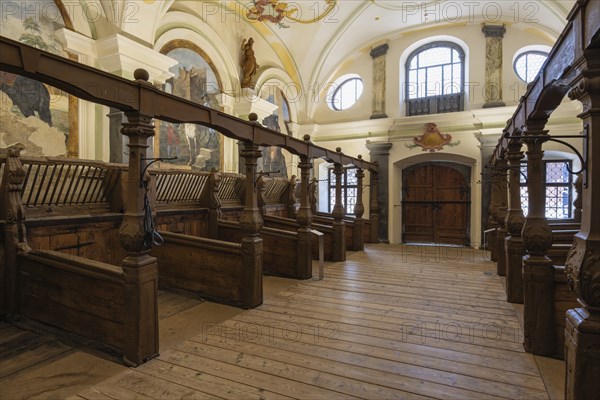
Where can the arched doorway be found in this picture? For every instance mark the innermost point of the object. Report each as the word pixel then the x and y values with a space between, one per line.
pixel 436 203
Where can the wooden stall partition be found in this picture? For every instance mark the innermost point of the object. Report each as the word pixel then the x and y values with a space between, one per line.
pixel 211 269
pixel 564 299
pixel 75 294
pixel 291 225
pixel 280 249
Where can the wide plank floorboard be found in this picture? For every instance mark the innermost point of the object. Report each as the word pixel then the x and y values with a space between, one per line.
pixel 391 322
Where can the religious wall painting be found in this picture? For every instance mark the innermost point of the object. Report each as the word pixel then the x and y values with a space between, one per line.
pixel 432 139
pixel 37 115
pixel 197 146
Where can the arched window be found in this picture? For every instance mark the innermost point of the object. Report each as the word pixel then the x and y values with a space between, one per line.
pixel 528 64
pixel 435 75
pixel 344 92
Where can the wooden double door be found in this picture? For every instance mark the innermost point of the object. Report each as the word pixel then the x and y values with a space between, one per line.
pixel 436 203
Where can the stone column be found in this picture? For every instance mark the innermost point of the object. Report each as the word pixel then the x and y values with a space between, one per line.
pixel 251 224
pixel 492 237
pixel 339 237
pixel 514 224
pixel 117 153
pixel 582 336
pixel 378 55
pixel 501 233
pixel 358 243
pixel 380 153
pixel 374 207
pixel 538 271
pixel 140 270
pixel 304 218
pixel 493 65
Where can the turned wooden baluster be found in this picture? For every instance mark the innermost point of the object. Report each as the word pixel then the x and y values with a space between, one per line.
pixel 251 224
pixel 501 217
pixel 493 213
pixel 359 209
pixel 304 218
pixel 140 270
pixel 514 224
pixel 13 215
pixel 582 337
pixel 338 213
pixel 538 272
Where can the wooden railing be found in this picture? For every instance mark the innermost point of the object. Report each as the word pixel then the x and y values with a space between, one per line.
pixel 232 189
pixel 179 186
pixel 274 189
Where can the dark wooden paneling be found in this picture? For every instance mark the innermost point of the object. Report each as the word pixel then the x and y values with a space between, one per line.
pixel 210 272
pixel 81 303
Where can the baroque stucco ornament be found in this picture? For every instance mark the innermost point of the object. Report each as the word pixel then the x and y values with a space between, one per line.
pixel 276 11
pixel 432 139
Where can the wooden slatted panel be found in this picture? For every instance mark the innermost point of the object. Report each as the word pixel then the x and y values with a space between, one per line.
pixel 274 188
pixel 175 186
pixel 391 322
pixel 232 188
pixel 58 182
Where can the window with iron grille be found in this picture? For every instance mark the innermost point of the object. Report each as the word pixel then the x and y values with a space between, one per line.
pixel 349 189
pixel 558 184
pixel 435 77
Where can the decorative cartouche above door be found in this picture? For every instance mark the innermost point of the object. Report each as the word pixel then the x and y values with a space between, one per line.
pixel 432 139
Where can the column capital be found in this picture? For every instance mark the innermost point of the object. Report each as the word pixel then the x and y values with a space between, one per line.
pixel 379 51
pixel 496 31
pixel 379 148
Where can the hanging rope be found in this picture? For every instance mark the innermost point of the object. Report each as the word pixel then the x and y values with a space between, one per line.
pixel 151 236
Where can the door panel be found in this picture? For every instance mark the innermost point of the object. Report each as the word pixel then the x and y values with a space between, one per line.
pixel 435 203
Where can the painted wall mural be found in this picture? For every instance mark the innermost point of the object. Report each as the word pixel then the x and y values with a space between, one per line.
pixel 197 146
pixel 274 159
pixel 33 113
pixel 279 12
pixel 432 139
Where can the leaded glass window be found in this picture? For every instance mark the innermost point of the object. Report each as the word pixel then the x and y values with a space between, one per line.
pixel 528 64
pixel 558 186
pixel 349 189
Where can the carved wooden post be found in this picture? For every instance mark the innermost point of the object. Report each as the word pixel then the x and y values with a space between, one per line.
pixel 339 238
pixel 140 270
pixel 291 197
pixel 304 218
pixel 13 215
pixel 514 224
pixel 493 213
pixel 214 204
pixel 582 336
pixel 374 207
pixel 251 224
pixel 501 217
pixel 359 209
pixel 538 272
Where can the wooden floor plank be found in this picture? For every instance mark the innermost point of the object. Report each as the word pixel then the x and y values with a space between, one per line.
pixel 390 322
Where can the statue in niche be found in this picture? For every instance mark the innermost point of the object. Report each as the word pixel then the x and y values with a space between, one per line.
pixel 248 63
pixel 273 160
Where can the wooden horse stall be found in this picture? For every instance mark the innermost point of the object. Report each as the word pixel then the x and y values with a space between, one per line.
pixel 63 266
pixel 187 259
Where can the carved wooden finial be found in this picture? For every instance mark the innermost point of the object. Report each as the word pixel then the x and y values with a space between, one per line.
pixel 253 117
pixel 338 149
pixel 141 74
pixel 360 156
pixel 306 138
